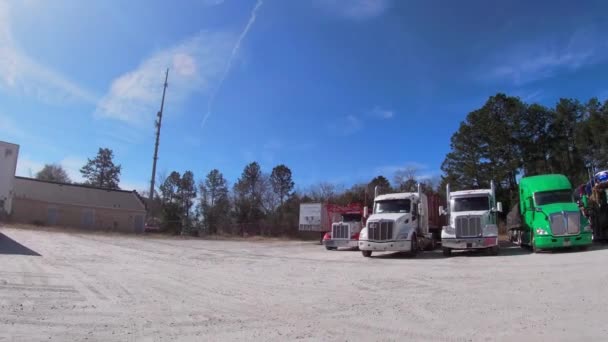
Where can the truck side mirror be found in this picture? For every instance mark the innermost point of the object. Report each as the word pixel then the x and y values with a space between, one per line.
pixel 365 211
pixel 441 211
pixel 420 211
pixel 499 207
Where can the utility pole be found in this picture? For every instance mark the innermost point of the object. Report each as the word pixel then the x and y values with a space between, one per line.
pixel 158 123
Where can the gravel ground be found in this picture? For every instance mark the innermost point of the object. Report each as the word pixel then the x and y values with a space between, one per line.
pixel 75 287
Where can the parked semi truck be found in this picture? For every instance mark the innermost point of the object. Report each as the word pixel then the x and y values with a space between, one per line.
pixel 345 233
pixel 547 216
pixel 400 222
pixel 320 218
pixel 472 221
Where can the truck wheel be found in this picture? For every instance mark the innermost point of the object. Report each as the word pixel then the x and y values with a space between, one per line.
pixel 331 248
pixel 447 252
pixel 493 250
pixel 430 246
pixel 533 245
pixel 414 247
pixel 366 254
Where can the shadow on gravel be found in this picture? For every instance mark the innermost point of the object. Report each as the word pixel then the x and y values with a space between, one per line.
pixel 12 247
pixel 506 249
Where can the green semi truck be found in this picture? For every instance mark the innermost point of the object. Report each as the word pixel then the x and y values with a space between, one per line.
pixel 547 216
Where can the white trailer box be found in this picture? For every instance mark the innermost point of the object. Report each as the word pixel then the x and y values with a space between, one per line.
pixel 313 218
pixel 8 167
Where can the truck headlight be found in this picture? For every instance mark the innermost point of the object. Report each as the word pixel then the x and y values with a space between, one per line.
pixel 541 231
pixel 363 234
pixel 490 230
pixel 403 234
pixel 449 230
pixel 587 228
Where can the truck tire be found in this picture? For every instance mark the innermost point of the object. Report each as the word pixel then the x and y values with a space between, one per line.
pixel 414 246
pixel 447 252
pixel 331 248
pixel 493 250
pixel 533 245
pixel 366 254
pixel 430 245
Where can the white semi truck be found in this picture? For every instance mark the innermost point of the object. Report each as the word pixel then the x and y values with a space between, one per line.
pixel 400 223
pixel 471 222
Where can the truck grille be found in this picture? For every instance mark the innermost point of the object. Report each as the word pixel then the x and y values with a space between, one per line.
pixel 340 231
pixel 565 223
pixel 468 226
pixel 378 231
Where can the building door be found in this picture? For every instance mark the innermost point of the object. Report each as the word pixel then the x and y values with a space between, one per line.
pixel 51 217
pixel 138 223
pixel 88 218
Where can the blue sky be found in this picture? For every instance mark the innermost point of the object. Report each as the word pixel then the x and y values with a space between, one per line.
pixel 339 91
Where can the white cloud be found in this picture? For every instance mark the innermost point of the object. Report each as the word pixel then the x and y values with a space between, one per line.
pixel 352 125
pixel 389 170
pixel 23 75
pixel 356 9
pixel 9 128
pixel 539 59
pixel 382 113
pixel 233 54
pixel 26 167
pixel 194 64
pixel 135 185
pixel 72 166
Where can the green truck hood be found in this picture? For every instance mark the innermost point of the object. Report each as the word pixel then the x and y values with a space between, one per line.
pixel 543 222
pixel 558 207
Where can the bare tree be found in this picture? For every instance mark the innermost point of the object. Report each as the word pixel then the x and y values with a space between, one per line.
pixel 405 179
pixel 53 173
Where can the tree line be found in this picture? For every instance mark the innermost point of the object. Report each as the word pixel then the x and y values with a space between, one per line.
pixel 507 138
pixel 502 141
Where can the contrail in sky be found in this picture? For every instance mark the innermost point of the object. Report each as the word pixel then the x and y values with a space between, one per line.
pixel 235 49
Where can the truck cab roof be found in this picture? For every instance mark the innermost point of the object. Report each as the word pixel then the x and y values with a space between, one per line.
pixel 464 193
pixel 396 196
pixel 545 182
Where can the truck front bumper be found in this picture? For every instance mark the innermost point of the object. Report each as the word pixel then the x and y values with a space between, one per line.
pixel 340 243
pixel 549 242
pixel 469 243
pixel 389 246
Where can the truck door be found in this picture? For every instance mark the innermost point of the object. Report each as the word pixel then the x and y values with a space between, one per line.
pixel 528 220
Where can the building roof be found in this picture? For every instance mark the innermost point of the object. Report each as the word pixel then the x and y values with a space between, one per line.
pixel 76 194
pixel 2 142
pixel 546 182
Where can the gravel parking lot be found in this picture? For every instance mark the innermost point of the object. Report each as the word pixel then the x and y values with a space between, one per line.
pixel 73 287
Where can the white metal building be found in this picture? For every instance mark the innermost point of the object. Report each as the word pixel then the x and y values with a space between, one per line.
pixel 8 167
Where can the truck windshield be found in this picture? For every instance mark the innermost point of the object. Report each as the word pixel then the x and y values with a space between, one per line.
pixel 472 203
pixel 392 206
pixel 351 217
pixel 555 196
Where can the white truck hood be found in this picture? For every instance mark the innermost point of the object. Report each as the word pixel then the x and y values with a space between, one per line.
pixel 386 216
